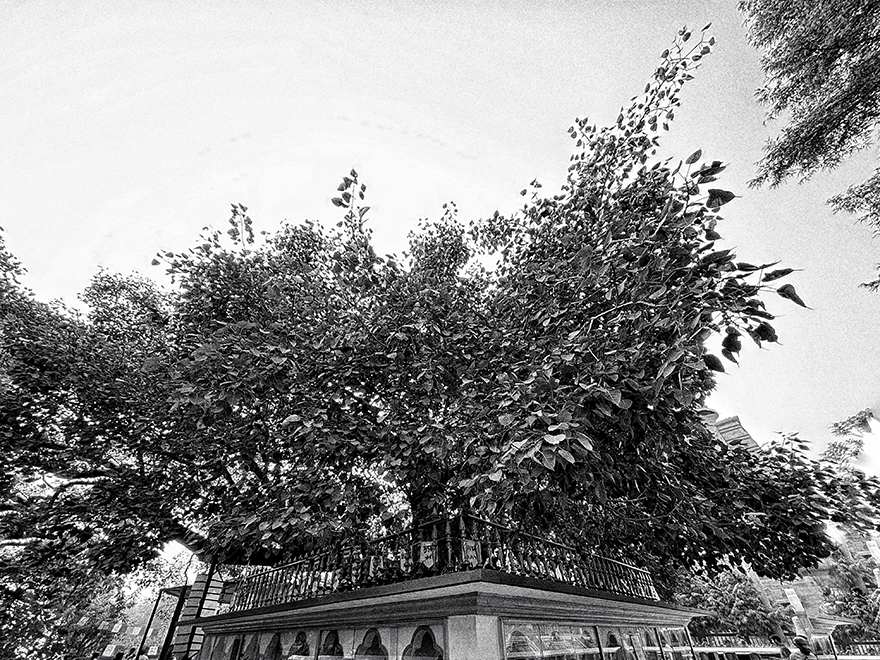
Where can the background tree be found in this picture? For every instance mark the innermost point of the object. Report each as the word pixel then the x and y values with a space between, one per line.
pixel 822 74
pixel 300 387
pixel 55 610
pixel 736 604
pixel 851 586
pixel 846 594
pixel 48 611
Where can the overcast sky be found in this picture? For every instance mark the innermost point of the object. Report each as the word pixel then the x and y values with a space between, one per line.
pixel 127 127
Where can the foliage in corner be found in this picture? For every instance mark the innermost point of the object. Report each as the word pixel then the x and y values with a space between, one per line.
pixel 736 605
pixel 820 60
pixel 847 594
pixel 859 423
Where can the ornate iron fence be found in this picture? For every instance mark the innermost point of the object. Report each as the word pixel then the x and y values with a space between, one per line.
pixel 866 647
pixel 446 545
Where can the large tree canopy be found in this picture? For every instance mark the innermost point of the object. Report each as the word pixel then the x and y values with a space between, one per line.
pixel 548 367
pixel 822 73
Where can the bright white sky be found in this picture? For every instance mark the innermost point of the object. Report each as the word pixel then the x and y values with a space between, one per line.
pixel 127 127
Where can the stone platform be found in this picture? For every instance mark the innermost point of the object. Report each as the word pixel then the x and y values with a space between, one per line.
pixel 477 614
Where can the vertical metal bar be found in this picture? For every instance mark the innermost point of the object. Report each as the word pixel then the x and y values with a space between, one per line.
pixel 266 588
pixel 502 550
pixel 208 579
pixel 687 636
pixel 242 594
pixel 297 578
pixel 833 645
pixel 275 589
pixel 271 581
pixel 599 642
pixel 659 644
pixel 253 595
pixel 344 567
pixel 143 645
pixel 165 653
pixel 257 599
pixel 494 544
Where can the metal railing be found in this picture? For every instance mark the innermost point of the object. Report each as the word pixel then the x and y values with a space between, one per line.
pixel 865 647
pixel 723 640
pixel 446 545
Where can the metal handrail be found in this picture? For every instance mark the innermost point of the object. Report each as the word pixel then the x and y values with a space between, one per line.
pixel 562 545
pixel 442 545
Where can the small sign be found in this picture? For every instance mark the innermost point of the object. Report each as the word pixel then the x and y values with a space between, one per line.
pixel 406 561
pixel 794 600
pixel 376 565
pixel 428 553
pixel 471 553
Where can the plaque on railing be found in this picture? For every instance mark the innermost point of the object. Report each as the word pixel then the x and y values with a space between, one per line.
pixel 406 562
pixel 427 553
pixel 376 564
pixel 470 553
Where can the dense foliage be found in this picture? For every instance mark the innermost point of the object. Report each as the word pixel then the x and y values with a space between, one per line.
pixel 822 73
pixel 46 613
pixel 848 594
pixel 300 386
pixel 736 604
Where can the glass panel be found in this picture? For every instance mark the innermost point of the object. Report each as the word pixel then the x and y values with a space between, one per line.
pixel 222 649
pixel 650 646
pixel 208 644
pixel 675 643
pixel 235 649
pixel 299 645
pixel 615 645
pixel 569 642
pixel 251 646
pixel 371 648
pixel 632 642
pixel 387 639
pixel 273 649
pixel 522 641
pixel 330 645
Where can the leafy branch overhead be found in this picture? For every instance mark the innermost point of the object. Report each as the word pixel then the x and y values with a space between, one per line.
pixel 820 59
pixel 300 386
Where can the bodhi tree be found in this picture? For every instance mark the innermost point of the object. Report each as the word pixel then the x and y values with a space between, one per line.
pixel 821 63
pixel 298 386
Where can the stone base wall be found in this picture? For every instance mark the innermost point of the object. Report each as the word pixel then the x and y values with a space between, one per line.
pixel 475 615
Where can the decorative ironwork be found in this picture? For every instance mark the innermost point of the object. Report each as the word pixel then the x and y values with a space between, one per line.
pixel 446 545
pixel 735 640
pixel 865 647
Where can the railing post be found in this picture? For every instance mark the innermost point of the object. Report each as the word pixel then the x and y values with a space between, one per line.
pixel 448 524
pixel 498 562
